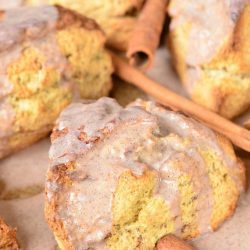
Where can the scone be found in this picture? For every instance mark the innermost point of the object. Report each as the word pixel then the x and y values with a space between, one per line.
pixel 48 54
pixel 209 42
pixel 122 178
pixel 4 5
pixel 117 18
pixel 8 239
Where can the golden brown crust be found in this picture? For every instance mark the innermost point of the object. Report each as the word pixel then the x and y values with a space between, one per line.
pixel 228 67
pixel 27 138
pixel 64 18
pixel 226 145
pixel 58 133
pixel 56 225
pixel 69 17
pixel 8 239
pixel 227 215
pixel 240 45
pixel 242 170
pixel 170 242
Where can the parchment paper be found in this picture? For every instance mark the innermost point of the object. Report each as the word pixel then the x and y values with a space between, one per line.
pixel 25 172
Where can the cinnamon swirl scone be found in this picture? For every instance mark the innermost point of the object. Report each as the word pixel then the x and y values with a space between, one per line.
pixel 47 54
pixel 122 178
pixel 8 239
pixel 117 18
pixel 209 41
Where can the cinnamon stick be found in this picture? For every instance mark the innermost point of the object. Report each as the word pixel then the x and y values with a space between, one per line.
pixel 238 135
pixel 146 34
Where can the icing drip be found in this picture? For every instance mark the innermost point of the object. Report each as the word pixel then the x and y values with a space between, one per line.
pixel 104 141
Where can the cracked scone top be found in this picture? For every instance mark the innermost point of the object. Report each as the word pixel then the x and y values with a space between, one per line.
pixel 209 42
pixel 122 178
pixel 48 54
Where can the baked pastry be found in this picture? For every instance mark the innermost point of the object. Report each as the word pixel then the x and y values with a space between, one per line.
pixel 4 5
pixel 47 53
pixel 117 18
pixel 122 178
pixel 170 242
pixel 210 48
pixel 8 239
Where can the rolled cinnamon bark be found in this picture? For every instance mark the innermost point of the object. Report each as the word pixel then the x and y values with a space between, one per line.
pixel 170 242
pixel 146 34
pixel 237 134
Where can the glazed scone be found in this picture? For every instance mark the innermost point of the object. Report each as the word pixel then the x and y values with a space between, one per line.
pixel 209 42
pixel 48 54
pixel 122 178
pixel 4 5
pixel 117 18
pixel 8 239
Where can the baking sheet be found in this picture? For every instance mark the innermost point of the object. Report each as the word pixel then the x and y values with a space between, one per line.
pixel 25 172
